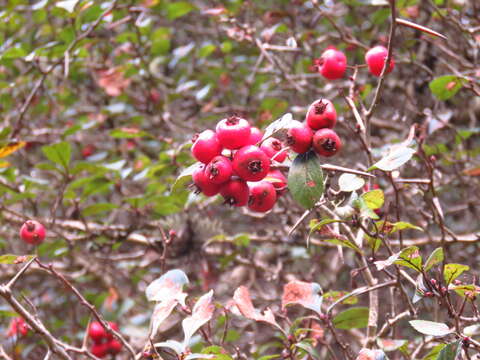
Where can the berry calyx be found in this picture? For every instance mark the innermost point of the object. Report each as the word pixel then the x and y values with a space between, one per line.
pixel 219 170
pixel 235 192
pixel 326 142
pixel 321 114
pixel 255 136
pixel 332 64
pixel 32 232
pixel 262 196
pixel 96 332
pixel 206 146
pixel 273 149
pixel 203 183
pixel 375 59
pixel 299 137
pixel 233 132
pixel 99 350
pixel 251 163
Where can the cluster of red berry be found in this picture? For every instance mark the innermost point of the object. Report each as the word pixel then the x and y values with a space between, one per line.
pixel 333 63
pixel 230 157
pixel 317 130
pixel 103 342
pixel 17 327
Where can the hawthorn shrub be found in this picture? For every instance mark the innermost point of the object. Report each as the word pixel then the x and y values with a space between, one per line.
pixel 344 132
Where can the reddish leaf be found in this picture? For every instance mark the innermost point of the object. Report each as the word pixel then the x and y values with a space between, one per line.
pixel 302 293
pixel 215 11
pixel 112 81
pixel 242 300
pixel 201 314
pixel 368 354
pixel 160 313
pixel 167 287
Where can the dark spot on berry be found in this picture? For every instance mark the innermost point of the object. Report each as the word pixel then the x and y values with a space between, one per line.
pixel 320 107
pixel 329 145
pixel 233 120
pixel 255 166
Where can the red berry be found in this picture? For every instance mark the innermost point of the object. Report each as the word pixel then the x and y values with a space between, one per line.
pixel 206 146
pixel 255 136
pixel 88 150
pixel 114 326
pixel 326 142
pixel 332 64
pixel 251 163
pixel 96 331
pixel 219 170
pixel 235 192
pixel 203 183
pixel 32 232
pixel 375 59
pixel 299 137
pixel 18 326
pixel 272 147
pixel 262 196
pixel 233 132
pixel 321 114
pixel 277 179
pixel 99 350
pixel 114 346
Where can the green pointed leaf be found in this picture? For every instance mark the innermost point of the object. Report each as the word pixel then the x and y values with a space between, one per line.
pixel 58 153
pixel 10 259
pixel 430 327
pixel 444 87
pixel 411 258
pixel 451 351
pixel 305 179
pixel 178 9
pixel 452 271
pixel 184 178
pixel 353 318
pixel 436 257
pixel 395 158
pixel 433 354
pixel 374 199
pixel 98 208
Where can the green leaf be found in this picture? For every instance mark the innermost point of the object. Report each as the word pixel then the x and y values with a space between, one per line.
pixel 374 199
pixel 430 327
pixel 436 257
pixel 305 179
pixel 58 153
pixel 127 133
pixel 178 9
pixel 432 355
pixel 451 351
pixel 350 182
pixel 395 158
pixel 452 271
pixel 465 290
pixel 411 258
pixel 14 53
pixel 444 87
pixel 353 318
pixel 9 259
pixel 98 208
pixel 184 178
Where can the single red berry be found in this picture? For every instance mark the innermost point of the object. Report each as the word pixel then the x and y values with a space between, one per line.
pixel 321 114
pixel 114 326
pixel 18 326
pixel 235 192
pixel 277 179
pixel 203 183
pixel 88 150
pixel 299 137
pixel 262 196
pixel 32 232
pixel 273 148
pixel 99 350
pixel 332 64
pixel 326 142
pixel 255 136
pixel 233 132
pixel 114 346
pixel 375 59
pixel 96 331
pixel 251 163
pixel 219 170
pixel 206 146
